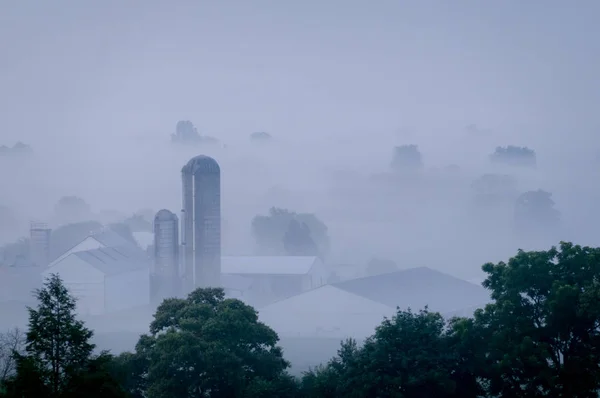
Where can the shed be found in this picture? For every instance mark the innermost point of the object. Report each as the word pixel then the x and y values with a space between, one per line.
pixel 105 279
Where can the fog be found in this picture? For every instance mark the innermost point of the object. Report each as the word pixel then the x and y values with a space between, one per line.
pixel 96 91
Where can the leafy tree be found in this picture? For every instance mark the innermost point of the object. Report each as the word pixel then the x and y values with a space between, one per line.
pixel 72 209
pixel 407 158
pixel 377 266
pixel 514 156
pixel 206 345
pixel 297 240
pixel 269 231
pixel 58 360
pixel 408 356
pixel 542 330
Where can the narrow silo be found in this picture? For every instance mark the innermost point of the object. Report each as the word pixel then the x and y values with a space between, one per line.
pixel 165 275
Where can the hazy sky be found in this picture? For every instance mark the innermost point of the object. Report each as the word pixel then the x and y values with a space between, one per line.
pixel 97 69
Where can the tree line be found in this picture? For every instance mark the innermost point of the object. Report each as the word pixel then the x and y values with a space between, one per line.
pixel 538 337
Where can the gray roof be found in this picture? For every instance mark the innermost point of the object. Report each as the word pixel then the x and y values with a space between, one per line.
pixel 202 163
pixel 114 260
pixel 417 288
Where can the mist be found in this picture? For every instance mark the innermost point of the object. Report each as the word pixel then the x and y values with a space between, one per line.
pixel 96 91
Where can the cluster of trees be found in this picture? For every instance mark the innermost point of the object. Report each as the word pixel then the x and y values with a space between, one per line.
pixel 539 337
pixel 408 158
pixel 284 232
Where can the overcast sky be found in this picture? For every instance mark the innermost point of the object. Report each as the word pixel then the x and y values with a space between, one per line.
pixel 97 69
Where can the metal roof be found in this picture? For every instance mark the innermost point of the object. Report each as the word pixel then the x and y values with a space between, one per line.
pixel 267 265
pixel 114 260
pixel 417 288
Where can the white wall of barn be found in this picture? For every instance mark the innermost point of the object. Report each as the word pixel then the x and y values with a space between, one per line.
pixel 127 290
pixel 84 282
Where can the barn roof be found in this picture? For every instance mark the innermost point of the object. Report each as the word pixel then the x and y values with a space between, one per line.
pixel 114 260
pixel 417 288
pixel 267 265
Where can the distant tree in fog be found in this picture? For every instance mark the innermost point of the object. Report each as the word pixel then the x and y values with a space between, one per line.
pixel 535 209
pixel 70 209
pixel 186 133
pixel 15 254
pixel 494 188
pixel 139 223
pixel 260 136
pixel 407 158
pixel 297 240
pixel 377 266
pixel 11 341
pixel 514 156
pixel 124 231
pixel 269 231
pixel 18 149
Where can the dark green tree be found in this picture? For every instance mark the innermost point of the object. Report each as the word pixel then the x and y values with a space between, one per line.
pixel 543 328
pixel 57 343
pixel 206 345
pixel 58 359
pixel 409 356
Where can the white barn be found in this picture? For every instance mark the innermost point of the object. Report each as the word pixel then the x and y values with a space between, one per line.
pixel 270 278
pixel 105 279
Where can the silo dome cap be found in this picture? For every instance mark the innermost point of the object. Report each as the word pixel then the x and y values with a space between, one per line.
pixel 201 163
